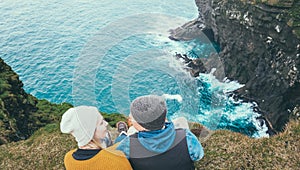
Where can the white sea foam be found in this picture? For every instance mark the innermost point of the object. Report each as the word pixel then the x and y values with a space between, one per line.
pixel 237 110
pixel 172 97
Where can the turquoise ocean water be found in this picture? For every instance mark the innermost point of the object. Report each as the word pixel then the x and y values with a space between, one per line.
pixel 106 53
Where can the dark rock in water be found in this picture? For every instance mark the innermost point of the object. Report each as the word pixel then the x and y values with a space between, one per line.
pixel 197 67
pixel 259 48
pixel 194 66
pixel 184 57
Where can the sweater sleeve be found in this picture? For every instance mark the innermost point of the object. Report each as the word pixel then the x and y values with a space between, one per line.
pixel 124 146
pixel 194 146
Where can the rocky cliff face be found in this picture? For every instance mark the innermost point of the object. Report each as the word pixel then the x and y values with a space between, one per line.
pixel 15 106
pixel 259 48
pixel 21 113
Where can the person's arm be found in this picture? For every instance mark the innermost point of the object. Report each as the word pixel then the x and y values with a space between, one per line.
pixel 194 146
pixel 124 146
pixel 180 123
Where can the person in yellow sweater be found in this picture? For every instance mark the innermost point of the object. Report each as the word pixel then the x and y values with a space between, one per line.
pixel 89 128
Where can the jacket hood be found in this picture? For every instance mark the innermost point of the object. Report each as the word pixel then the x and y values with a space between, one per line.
pixel 158 141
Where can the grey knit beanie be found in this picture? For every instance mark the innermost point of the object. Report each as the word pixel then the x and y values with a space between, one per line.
pixel 149 111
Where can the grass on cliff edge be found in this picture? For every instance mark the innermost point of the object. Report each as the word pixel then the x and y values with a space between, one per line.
pixel 223 150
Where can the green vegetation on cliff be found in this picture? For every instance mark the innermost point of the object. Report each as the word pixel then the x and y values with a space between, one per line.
pixel 228 150
pixel 21 113
pixel 294 20
pixel 293 12
pixel 223 150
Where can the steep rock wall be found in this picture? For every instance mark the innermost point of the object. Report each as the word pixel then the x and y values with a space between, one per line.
pixel 21 114
pixel 15 106
pixel 259 48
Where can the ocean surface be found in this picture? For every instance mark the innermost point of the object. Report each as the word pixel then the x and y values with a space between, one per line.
pixel 106 53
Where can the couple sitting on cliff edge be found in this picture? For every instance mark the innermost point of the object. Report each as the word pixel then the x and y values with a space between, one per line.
pixel 156 144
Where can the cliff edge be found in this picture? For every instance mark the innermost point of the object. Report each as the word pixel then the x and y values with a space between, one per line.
pixel 21 114
pixel 260 48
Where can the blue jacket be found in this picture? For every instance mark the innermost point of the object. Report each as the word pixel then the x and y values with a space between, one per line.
pixel 159 141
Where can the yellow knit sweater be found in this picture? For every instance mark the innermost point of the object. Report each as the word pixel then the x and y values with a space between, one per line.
pixel 106 159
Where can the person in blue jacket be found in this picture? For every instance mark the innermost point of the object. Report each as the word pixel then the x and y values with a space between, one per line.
pixel 157 144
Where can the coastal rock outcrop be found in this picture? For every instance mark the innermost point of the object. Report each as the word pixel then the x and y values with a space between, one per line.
pixel 260 48
pixel 20 113
pixel 15 106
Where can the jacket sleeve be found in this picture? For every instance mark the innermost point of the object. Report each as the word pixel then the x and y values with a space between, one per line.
pixel 124 146
pixel 194 146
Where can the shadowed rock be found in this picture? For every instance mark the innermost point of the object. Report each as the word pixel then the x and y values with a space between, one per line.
pixel 259 48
